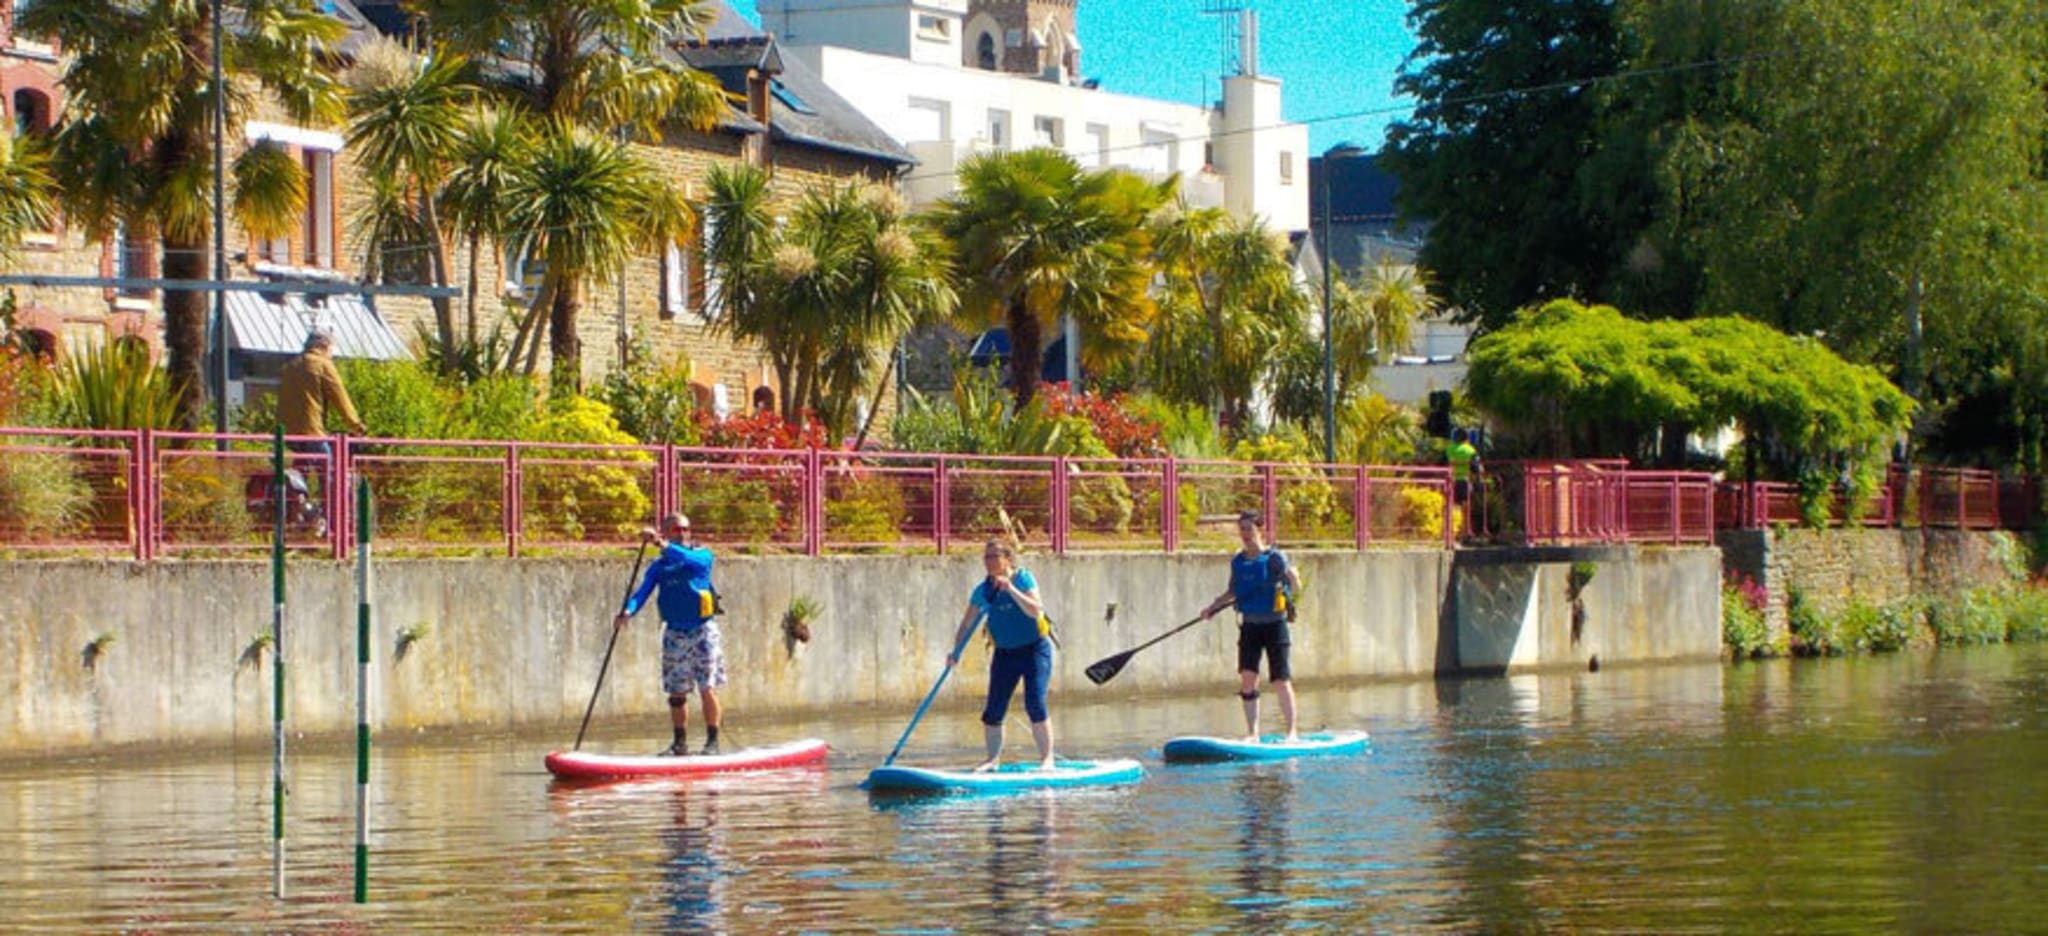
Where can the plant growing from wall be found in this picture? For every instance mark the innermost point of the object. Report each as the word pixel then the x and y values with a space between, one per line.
pixel 1743 629
pixel 796 621
pixel 95 650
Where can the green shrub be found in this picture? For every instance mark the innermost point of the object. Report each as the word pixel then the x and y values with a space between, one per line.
pixel 731 509
pixel 653 404
pixel 1816 500
pixel 1813 634
pixel 2026 614
pixel 1743 628
pixel 1970 618
pixel 113 387
pixel 867 510
pixel 498 407
pixel 206 505
pixel 1870 629
pixel 41 494
pixel 398 399
pixel 583 500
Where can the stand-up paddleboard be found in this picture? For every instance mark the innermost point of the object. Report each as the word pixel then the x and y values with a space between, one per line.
pixel 1008 778
pixel 583 765
pixel 1193 750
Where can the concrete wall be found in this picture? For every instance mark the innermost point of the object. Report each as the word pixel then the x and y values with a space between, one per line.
pixel 1834 568
pixel 496 644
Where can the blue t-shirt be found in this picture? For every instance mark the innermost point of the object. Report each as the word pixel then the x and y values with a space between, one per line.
pixel 683 573
pixel 1257 581
pixel 1009 624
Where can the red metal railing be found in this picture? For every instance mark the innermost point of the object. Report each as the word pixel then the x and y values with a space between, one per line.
pixel 152 494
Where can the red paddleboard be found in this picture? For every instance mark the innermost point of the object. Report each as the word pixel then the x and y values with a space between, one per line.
pixel 583 765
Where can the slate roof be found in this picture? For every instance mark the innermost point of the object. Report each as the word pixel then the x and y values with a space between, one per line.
pixel 731 46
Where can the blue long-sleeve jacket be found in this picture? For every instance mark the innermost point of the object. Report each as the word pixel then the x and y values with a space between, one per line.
pixel 683 573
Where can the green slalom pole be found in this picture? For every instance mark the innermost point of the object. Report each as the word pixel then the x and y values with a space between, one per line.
pixel 279 496
pixel 363 581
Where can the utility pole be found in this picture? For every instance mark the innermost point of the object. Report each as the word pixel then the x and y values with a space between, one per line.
pixel 220 250
pixel 1327 256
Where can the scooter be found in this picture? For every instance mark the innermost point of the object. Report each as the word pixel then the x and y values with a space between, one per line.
pixel 302 512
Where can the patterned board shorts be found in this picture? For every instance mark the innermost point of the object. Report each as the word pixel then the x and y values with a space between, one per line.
pixel 691 660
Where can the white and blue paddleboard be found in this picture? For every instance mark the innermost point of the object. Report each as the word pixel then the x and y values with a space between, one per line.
pixel 1008 778
pixel 1196 750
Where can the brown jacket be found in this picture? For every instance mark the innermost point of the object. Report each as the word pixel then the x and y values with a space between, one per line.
pixel 309 390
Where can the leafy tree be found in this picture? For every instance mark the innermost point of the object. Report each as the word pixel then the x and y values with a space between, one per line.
pixel 1034 237
pixel 826 293
pixel 581 67
pixel 136 147
pixel 1590 381
pixel 1495 153
pixel 1899 213
pixel 1228 304
pixel 489 150
pixel 407 115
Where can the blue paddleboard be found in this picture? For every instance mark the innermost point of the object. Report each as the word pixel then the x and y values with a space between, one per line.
pixel 1007 778
pixel 1194 750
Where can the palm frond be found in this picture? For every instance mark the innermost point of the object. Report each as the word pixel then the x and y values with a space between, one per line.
pixel 270 191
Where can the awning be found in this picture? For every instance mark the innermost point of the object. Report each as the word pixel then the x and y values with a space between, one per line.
pixel 278 322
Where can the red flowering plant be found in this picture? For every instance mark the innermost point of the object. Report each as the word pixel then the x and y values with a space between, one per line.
pixel 762 430
pixel 1126 434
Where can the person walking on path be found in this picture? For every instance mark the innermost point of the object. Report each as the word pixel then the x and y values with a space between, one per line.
pixel 1262 587
pixel 691 659
pixel 1016 621
pixel 309 391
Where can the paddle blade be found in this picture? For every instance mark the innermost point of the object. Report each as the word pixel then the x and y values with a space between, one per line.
pixel 1105 669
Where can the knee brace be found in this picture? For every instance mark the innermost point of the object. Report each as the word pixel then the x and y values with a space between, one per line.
pixel 676 699
pixel 1249 695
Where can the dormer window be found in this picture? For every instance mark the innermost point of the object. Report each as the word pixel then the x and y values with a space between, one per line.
pixel 985 51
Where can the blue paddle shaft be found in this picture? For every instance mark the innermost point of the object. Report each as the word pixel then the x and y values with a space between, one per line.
pixel 958 649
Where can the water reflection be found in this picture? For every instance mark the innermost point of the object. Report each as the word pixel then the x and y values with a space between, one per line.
pixel 1877 795
pixel 1264 795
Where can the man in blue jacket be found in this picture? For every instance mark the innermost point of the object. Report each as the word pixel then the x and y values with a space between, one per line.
pixel 691 659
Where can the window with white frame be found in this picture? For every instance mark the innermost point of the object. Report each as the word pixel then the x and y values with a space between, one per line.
pixel 675 281
pixel 709 280
pixel 930 120
pixel 998 128
pixel 24 43
pixel 319 231
pixel 1098 144
pixel 1049 132
pixel 1286 167
pixel 934 28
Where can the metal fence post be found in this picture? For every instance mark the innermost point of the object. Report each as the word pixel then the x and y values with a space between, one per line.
pixel 514 516
pixel 1361 507
pixel 1169 504
pixel 942 508
pixel 1269 491
pixel 1061 495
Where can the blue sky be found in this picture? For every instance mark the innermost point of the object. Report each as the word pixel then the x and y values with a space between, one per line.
pixel 1332 56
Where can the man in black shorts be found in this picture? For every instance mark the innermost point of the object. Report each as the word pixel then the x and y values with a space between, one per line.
pixel 1262 586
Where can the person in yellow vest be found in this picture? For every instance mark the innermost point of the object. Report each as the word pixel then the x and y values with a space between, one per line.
pixel 1464 460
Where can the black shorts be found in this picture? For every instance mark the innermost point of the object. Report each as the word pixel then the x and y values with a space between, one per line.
pixel 1269 638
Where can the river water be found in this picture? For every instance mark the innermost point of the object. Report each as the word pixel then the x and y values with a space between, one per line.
pixel 1908 792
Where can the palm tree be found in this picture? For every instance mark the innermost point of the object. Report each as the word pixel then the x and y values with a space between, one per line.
pixel 827 293
pixel 25 187
pixel 1378 315
pixel 581 65
pixel 136 147
pixel 488 153
pixel 1229 308
pixel 586 205
pixel 1033 237
pixel 406 119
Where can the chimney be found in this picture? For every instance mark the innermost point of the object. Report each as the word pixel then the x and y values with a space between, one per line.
pixel 1248 43
pixel 757 95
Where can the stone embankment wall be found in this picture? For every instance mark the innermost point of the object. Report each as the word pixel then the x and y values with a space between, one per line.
pixel 1836 568
pixel 116 655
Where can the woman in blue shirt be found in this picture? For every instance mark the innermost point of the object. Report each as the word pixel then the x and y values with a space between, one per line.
pixel 1009 596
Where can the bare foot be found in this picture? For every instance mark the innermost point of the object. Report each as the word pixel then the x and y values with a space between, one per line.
pixel 985 766
pixel 1048 764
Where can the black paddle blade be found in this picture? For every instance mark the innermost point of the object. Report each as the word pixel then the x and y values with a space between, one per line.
pixel 1105 669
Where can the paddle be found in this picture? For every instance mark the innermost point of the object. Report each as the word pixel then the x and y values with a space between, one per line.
pixel 631 580
pixel 958 649
pixel 1105 669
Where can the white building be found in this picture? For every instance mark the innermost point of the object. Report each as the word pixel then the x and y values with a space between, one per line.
pixel 952 78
